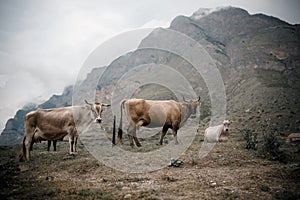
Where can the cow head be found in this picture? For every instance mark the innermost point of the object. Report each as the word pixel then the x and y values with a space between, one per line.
pixel 96 110
pixel 226 124
pixel 193 104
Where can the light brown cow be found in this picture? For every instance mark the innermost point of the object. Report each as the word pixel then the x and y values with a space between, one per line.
pixel 217 133
pixel 150 113
pixel 54 124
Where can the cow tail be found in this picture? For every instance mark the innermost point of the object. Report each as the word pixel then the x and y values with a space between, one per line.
pixel 120 131
pixel 32 141
pixel 22 155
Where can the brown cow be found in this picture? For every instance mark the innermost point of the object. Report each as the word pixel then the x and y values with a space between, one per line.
pixel 150 113
pixel 54 124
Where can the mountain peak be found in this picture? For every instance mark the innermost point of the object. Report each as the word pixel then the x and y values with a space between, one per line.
pixel 202 12
pixel 225 23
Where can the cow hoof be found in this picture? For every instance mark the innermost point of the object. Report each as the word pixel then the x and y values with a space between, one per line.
pixel 25 160
pixel 21 160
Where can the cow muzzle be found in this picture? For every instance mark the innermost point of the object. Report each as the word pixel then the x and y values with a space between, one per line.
pixel 98 120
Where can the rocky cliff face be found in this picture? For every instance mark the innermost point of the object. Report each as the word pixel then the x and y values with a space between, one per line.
pixel 257 55
pixel 259 60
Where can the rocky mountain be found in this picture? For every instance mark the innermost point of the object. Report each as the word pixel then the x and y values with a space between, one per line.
pixel 257 55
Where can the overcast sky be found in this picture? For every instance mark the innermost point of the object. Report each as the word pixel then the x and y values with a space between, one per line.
pixel 43 43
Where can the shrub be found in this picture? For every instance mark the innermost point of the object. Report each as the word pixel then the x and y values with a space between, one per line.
pixel 265 144
pixel 251 139
pixel 269 146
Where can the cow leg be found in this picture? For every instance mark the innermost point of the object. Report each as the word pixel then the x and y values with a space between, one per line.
pixel 71 145
pixel 163 133
pixel 34 139
pixel 136 140
pixel 27 145
pixel 73 135
pixel 74 145
pixel 131 131
pixel 54 145
pixel 175 136
pixel 71 142
pixel 130 140
pixel 31 146
pixel 49 145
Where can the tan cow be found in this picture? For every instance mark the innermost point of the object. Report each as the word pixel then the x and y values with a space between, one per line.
pixel 150 113
pixel 217 133
pixel 54 124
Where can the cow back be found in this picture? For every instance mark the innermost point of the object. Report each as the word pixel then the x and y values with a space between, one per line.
pixel 49 124
pixel 153 113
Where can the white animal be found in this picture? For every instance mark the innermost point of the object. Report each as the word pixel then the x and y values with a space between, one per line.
pixel 217 133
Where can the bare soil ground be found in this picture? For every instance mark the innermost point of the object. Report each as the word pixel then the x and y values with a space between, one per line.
pixel 228 172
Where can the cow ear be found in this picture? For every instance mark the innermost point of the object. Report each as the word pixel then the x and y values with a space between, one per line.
pixel 199 99
pixel 104 106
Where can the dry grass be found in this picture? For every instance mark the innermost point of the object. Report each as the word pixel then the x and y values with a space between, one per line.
pixel 228 172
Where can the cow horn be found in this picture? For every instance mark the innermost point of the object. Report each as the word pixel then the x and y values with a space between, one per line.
pixel 184 99
pixel 87 102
